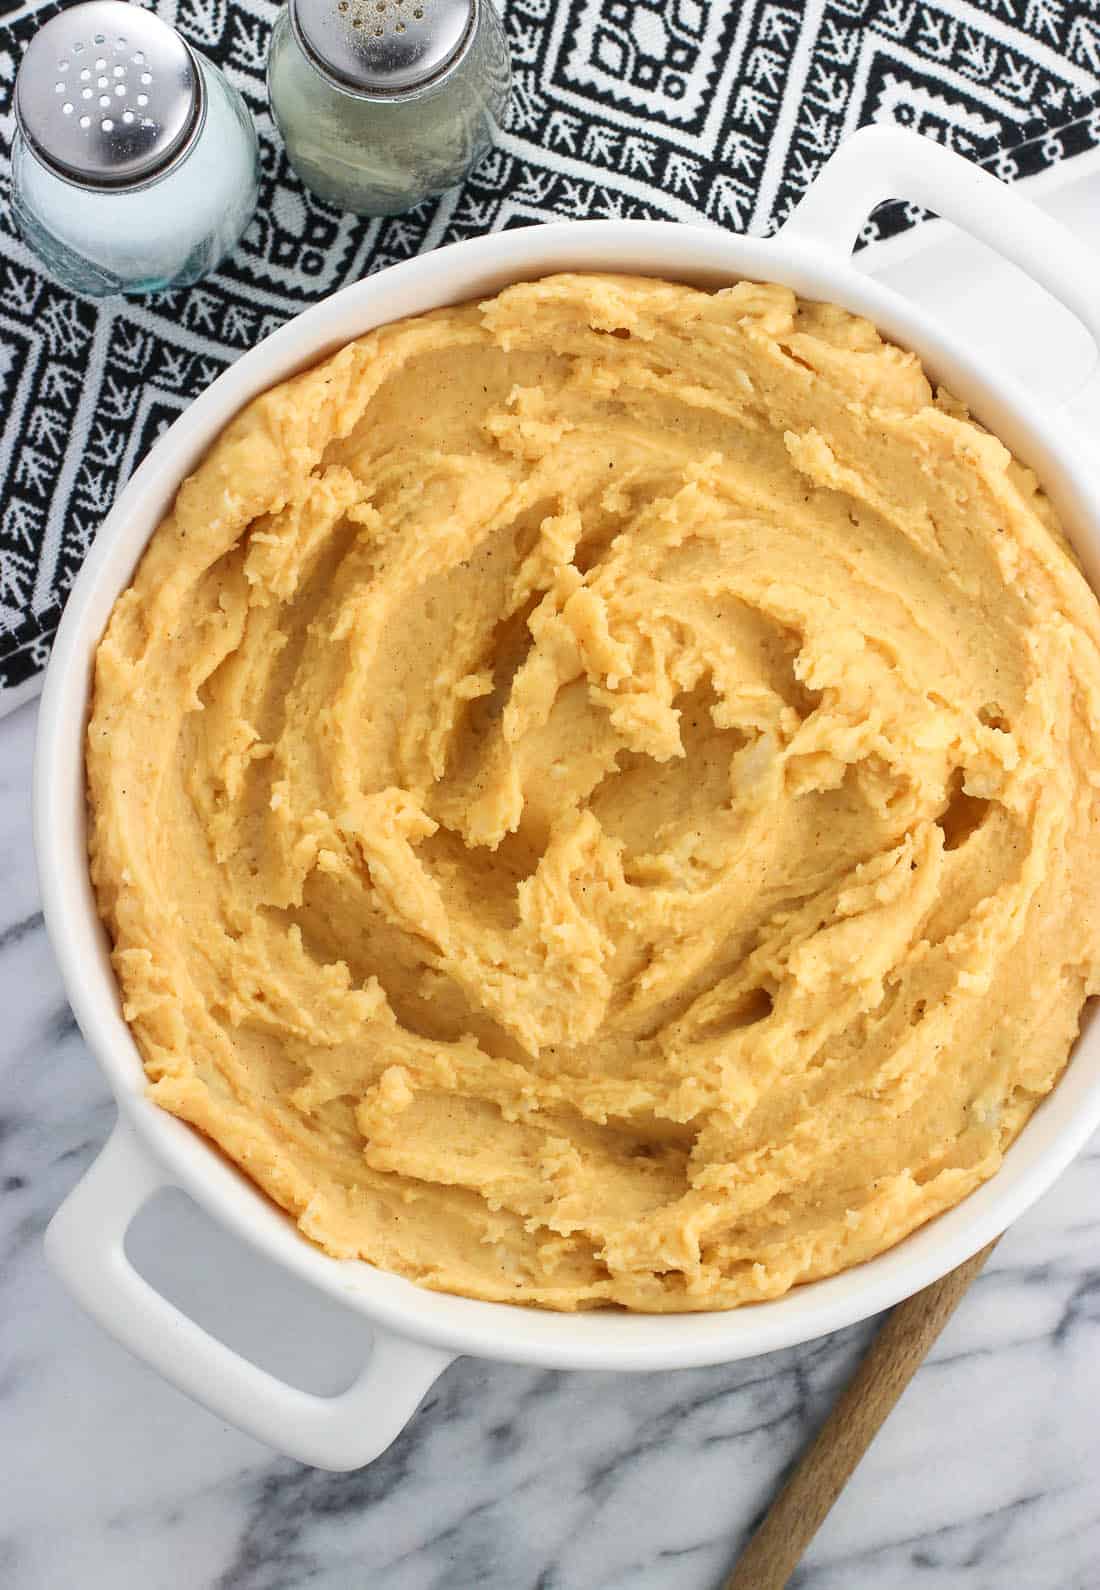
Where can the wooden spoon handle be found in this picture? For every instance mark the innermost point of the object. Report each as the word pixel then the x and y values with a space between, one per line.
pixel 887 1367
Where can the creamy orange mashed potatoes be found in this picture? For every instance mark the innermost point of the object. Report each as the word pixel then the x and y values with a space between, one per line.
pixel 594 796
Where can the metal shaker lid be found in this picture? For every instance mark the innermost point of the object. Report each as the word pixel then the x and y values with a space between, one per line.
pixel 108 96
pixel 383 48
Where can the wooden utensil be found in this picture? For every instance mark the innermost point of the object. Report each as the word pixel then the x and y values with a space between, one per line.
pixel 887 1367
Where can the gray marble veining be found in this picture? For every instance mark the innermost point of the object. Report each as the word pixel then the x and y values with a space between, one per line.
pixel 985 1478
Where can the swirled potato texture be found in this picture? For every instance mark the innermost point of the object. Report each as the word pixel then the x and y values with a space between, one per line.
pixel 594 796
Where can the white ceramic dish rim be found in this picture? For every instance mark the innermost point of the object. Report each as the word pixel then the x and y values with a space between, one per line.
pixel 416 1332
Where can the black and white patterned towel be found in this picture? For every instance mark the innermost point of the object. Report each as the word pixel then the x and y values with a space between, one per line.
pixel 698 110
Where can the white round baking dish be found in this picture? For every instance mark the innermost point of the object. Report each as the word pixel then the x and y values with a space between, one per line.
pixel 414 1333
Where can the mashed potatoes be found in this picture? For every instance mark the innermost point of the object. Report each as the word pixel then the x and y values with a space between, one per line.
pixel 594 796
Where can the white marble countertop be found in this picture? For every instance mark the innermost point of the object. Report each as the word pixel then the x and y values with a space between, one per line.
pixel 517 1479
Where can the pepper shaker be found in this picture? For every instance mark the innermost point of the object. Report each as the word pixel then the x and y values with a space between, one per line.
pixel 382 103
pixel 135 164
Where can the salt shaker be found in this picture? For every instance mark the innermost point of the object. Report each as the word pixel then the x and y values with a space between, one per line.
pixel 382 103
pixel 134 165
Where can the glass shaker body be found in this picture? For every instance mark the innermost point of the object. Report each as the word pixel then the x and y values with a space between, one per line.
pixel 165 233
pixel 378 155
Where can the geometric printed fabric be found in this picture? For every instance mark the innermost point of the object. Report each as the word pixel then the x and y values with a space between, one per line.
pixel 718 111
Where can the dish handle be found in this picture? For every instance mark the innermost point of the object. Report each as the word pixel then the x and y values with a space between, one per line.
pixel 85 1243
pixel 880 163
